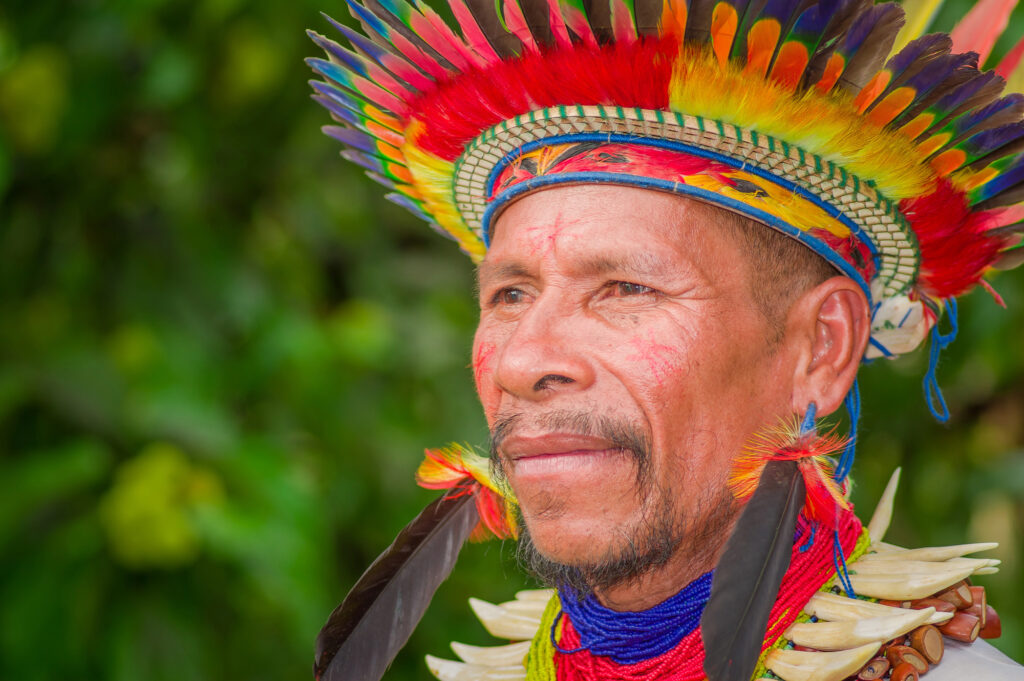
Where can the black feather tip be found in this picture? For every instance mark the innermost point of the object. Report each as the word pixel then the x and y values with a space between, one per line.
pixel 364 633
pixel 747 578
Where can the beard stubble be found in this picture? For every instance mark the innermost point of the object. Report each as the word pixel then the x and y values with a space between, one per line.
pixel 666 531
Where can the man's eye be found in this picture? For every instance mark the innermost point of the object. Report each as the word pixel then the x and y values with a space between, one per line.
pixel 626 288
pixel 508 296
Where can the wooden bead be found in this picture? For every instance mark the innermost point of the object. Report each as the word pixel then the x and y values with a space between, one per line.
pixel 959 595
pixel 898 655
pixel 927 640
pixel 904 672
pixel 993 628
pixel 937 603
pixel 895 604
pixel 963 627
pixel 979 608
pixel 875 669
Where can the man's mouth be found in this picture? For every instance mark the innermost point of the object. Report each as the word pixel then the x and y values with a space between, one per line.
pixel 557 454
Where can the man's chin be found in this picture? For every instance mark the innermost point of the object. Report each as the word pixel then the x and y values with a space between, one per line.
pixel 587 562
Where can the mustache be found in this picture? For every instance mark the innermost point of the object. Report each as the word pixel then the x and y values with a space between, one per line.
pixel 623 434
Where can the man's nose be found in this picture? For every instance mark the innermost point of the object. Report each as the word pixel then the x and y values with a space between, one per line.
pixel 548 354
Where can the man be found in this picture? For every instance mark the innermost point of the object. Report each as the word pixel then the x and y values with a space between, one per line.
pixel 692 223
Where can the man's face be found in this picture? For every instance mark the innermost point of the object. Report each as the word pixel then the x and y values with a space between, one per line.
pixel 622 365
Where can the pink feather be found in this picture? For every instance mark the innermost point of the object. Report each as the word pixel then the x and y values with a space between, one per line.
pixel 558 28
pixel 417 56
pixel 516 22
pixel 622 23
pixel 471 31
pixel 406 71
pixel 431 27
pixel 981 27
pixel 578 23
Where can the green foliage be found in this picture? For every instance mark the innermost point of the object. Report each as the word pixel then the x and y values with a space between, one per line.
pixel 223 353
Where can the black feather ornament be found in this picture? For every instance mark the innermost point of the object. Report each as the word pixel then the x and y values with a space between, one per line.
pixel 364 633
pixel 747 577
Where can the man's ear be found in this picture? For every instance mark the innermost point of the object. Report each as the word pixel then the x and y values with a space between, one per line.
pixel 830 325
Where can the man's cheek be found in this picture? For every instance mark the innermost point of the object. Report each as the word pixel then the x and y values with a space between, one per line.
pixel 482 355
pixel 483 364
pixel 659 362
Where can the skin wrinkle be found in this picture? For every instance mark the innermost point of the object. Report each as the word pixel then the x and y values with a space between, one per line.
pixel 642 508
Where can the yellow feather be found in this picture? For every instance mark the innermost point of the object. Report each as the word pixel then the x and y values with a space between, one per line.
pixel 434 178
pixel 826 125
pixel 919 15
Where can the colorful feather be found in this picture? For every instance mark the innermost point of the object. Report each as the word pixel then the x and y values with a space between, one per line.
pixel 805 37
pixel 471 32
pixel 393 62
pixel 556 25
pixel 699 14
pixel 575 15
pixel 811 451
pixel 944 73
pixel 404 41
pixel 978 91
pixel 865 47
pixel 623 21
pixel 364 110
pixel 365 88
pixel 846 12
pixel 460 470
pixel 363 67
pixel 1003 190
pixel 901 68
pixel 1012 67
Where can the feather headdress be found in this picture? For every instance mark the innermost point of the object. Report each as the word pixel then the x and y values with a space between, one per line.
pixel 890 154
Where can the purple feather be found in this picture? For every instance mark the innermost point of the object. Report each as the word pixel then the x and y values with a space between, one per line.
pixel 956 98
pixel 358 41
pixel 343 97
pixel 369 21
pixel 359 158
pixel 915 56
pixel 1008 179
pixel 352 138
pixel 1010 105
pixel 864 24
pixel 937 71
pixel 988 141
pixel 348 59
pixel 338 110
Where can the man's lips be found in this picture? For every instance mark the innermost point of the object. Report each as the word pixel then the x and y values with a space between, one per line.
pixel 560 457
pixel 519 447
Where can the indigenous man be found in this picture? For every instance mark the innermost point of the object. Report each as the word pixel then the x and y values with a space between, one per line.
pixel 692 222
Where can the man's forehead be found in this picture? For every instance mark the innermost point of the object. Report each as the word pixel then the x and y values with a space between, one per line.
pixel 600 229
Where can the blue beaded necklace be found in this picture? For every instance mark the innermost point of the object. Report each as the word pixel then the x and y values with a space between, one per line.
pixel 632 637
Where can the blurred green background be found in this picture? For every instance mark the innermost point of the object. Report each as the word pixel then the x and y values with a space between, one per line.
pixel 221 355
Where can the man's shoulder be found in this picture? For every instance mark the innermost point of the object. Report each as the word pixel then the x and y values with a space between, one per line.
pixel 979 660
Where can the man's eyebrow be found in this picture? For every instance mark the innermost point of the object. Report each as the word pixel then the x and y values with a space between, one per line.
pixel 646 263
pixel 509 270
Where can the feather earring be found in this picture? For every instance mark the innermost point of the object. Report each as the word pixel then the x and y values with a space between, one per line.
pixel 747 578
pixel 784 471
pixel 797 441
pixel 364 633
